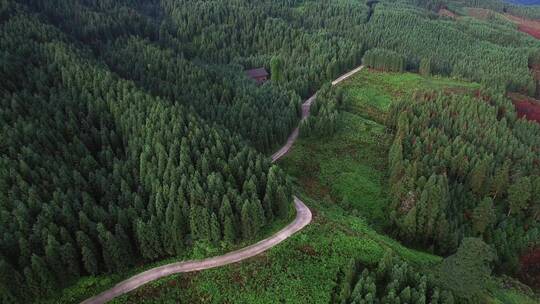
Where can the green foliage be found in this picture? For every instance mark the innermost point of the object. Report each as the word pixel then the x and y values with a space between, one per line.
pixel 417 34
pixel 446 172
pixel 467 272
pixel 276 69
pixel 384 60
pixel 519 195
pixel 102 175
pixel 370 94
pixel 390 281
pixel 484 216
pixel 425 67
pixel 323 117
pixel 127 126
pixel 319 252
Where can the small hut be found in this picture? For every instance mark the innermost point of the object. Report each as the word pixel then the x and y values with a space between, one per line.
pixel 260 75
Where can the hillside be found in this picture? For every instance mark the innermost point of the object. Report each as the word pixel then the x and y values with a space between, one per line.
pixel 133 137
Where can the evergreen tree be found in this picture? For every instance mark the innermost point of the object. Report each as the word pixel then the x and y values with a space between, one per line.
pixel 519 194
pixel 483 216
pixel 215 230
pixel 425 67
pixel 248 224
pixel 276 69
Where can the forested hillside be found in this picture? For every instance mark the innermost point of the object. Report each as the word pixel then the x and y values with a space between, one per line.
pixel 472 170
pixel 130 132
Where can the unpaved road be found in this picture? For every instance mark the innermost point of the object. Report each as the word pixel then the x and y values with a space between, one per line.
pixel 303 218
pixel 305 113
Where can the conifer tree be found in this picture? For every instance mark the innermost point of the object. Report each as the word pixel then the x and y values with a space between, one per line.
pixel 519 194
pixel 276 69
pixel 247 218
pixel 483 216
pixel 88 253
pixel 215 230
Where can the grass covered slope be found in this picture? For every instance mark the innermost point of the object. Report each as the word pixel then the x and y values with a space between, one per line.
pixel 337 171
pixel 369 94
pixel 343 180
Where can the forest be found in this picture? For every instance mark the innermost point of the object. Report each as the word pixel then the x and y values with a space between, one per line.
pixel 472 170
pixel 394 281
pixel 130 133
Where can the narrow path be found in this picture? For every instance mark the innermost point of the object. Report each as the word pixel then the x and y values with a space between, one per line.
pixel 347 75
pixel 303 218
pixel 306 106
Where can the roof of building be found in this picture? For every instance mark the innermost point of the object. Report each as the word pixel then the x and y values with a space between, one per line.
pixel 256 73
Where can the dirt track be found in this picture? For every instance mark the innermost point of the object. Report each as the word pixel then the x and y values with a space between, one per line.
pixel 303 218
pixel 305 113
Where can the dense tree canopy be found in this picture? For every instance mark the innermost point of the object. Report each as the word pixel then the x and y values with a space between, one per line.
pixel 391 281
pixel 130 132
pixel 97 175
pixel 465 166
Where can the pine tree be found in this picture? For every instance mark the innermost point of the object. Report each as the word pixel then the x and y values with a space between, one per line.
pixel 10 283
pixel 71 260
pixel 276 69
pixel 200 223
pixel 410 224
pixel 215 231
pixel 229 231
pixel 257 213
pixel 54 258
pixel 519 194
pixel 247 220
pixel 483 216
pixel 88 253
pixel 44 276
pixel 105 250
pixel 500 180
pixel 177 228
pixel 425 67
pixel 478 178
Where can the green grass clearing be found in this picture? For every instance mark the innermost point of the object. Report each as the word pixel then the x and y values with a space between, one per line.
pixel 348 169
pixel 370 93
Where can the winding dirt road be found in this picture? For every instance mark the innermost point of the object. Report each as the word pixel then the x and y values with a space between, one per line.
pixel 306 106
pixel 303 218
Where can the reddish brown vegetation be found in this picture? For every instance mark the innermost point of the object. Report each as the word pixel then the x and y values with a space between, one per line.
pixel 535 32
pixel 443 12
pixel 526 107
pixel 531 27
pixel 530 268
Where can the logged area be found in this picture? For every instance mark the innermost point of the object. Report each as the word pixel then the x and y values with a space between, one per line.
pixel 527 107
pixel 531 27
